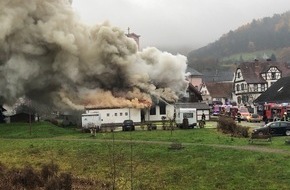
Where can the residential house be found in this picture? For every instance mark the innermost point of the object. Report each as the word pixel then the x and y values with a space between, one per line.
pixel 194 77
pixel 164 109
pixel 251 79
pixel 217 92
pixel 159 111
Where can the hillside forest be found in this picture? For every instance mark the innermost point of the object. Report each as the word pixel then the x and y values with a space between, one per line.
pixel 261 39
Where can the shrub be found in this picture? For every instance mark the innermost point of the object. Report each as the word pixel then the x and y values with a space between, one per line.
pixel 228 126
pixel 65 180
pixel 49 170
pixel 241 131
pixel 26 177
pixel 52 184
pixel 29 178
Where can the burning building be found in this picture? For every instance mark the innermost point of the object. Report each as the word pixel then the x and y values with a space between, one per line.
pixel 49 56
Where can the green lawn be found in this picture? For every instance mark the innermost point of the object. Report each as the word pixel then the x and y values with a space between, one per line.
pixel 143 158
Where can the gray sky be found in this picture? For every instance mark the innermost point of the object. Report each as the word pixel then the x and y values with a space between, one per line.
pixel 177 25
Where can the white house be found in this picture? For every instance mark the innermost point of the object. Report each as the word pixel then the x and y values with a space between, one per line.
pixel 117 115
pixel 217 92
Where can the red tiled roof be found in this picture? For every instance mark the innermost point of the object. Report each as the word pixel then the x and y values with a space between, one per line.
pixel 220 89
pixel 251 71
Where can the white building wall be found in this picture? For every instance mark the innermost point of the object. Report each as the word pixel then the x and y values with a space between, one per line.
pixel 157 117
pixel 118 115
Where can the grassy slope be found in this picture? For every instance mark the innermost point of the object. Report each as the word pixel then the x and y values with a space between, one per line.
pixel 154 166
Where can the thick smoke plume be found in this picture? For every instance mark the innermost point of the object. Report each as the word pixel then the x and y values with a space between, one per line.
pixel 49 56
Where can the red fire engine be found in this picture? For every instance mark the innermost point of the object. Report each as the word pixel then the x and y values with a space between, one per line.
pixel 275 111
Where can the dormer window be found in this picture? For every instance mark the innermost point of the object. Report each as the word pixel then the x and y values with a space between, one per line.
pixel 273 75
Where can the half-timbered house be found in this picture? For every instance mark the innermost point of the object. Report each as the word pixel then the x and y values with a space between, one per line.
pixel 251 79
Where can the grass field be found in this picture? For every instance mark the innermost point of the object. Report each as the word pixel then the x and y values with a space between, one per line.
pixel 143 160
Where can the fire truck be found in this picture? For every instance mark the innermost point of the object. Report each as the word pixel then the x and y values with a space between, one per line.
pixel 274 111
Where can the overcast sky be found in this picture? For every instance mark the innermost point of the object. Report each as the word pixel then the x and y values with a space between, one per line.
pixel 177 25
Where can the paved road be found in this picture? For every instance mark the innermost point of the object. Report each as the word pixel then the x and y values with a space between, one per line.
pixel 252 125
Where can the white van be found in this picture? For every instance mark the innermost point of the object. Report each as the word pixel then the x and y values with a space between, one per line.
pixel 189 113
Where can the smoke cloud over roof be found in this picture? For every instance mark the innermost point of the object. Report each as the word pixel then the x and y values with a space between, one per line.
pixel 49 56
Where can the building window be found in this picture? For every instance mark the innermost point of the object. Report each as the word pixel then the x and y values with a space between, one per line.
pixel 162 109
pixel 153 111
pixel 273 75
pixel 238 87
pixel 121 114
pixel 242 87
pixel 239 75
pixel 108 114
pixel 116 114
pixel 245 99
pixel 126 113
pixel 262 87
pixel 255 87
pixel 239 99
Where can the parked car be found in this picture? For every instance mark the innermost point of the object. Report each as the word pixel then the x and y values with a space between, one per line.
pixel 254 118
pixel 274 128
pixel 128 125
pixel 244 113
